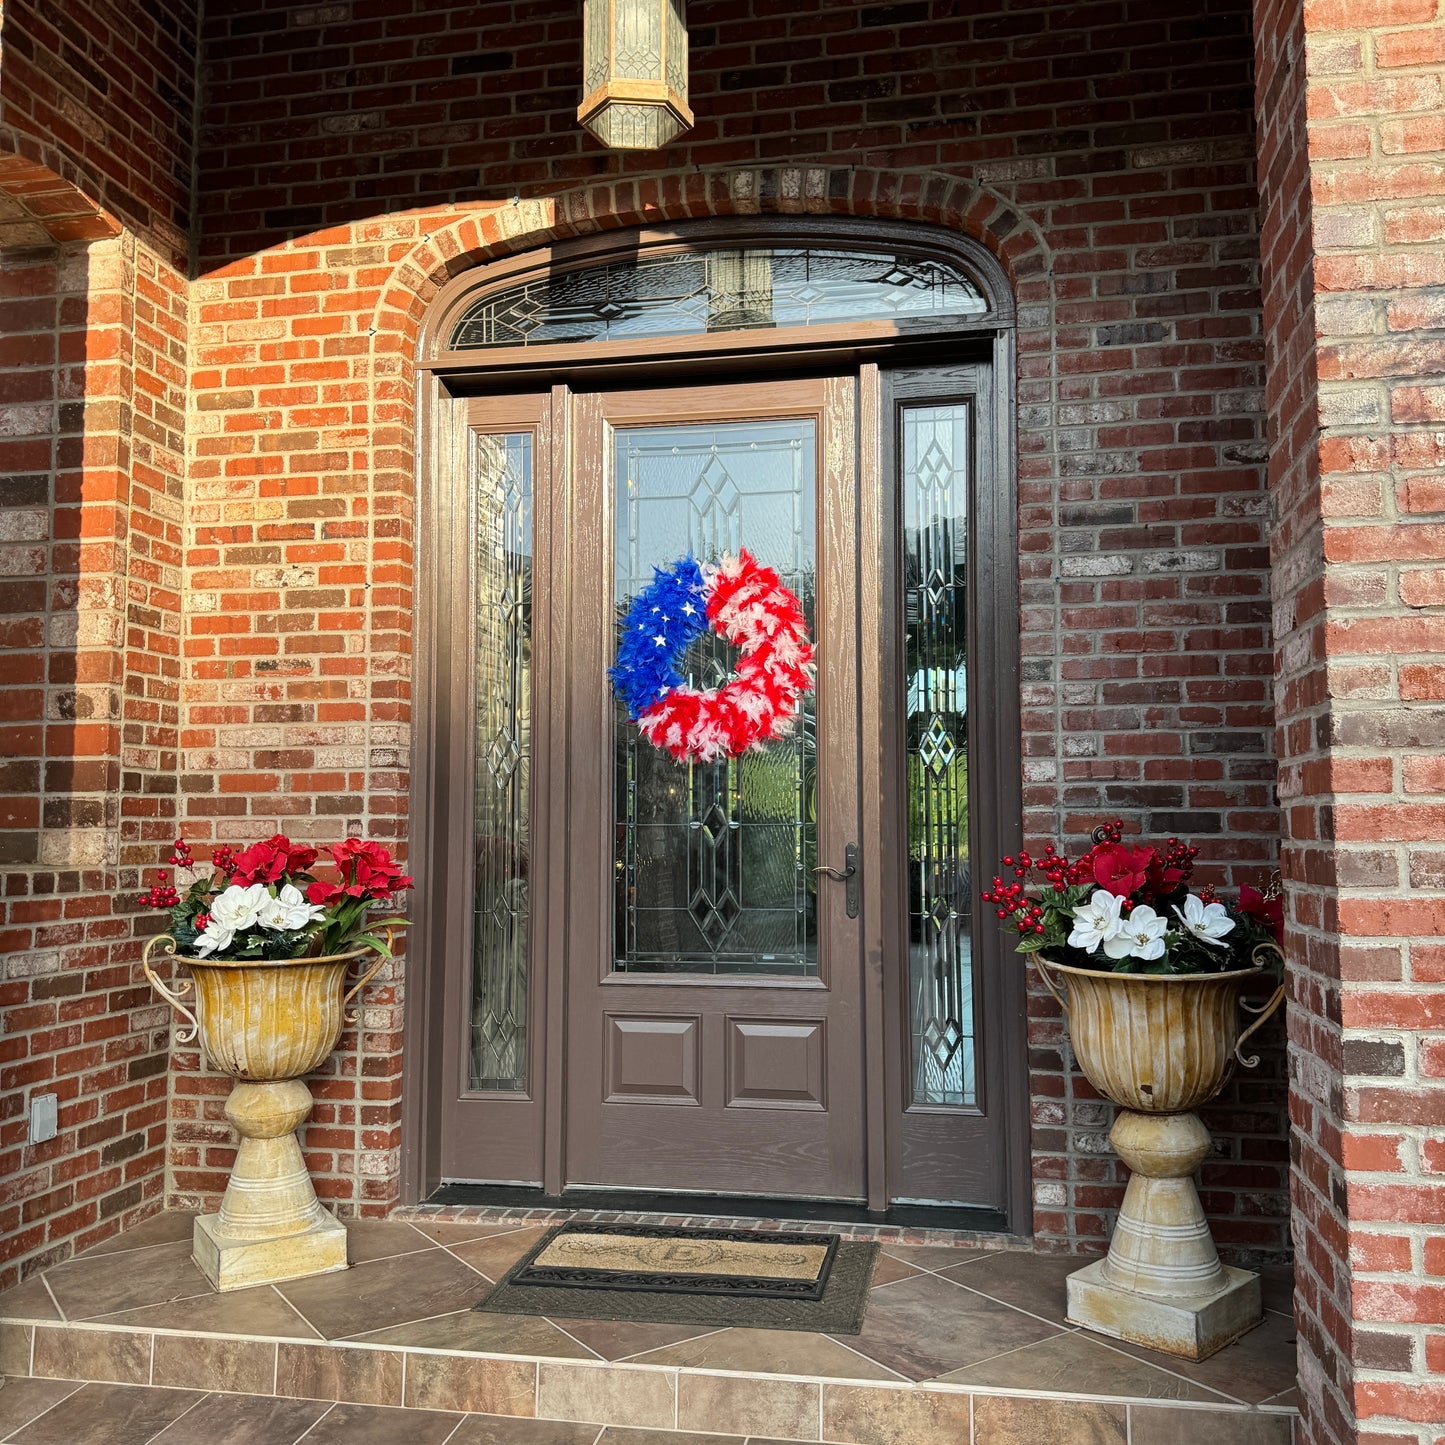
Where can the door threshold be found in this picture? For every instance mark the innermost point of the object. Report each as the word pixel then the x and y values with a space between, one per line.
pixel 738 1206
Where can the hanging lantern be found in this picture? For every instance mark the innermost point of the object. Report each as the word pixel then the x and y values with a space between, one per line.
pixel 634 72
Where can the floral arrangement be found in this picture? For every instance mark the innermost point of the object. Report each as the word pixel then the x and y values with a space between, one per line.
pixel 1123 908
pixel 264 902
pixel 746 604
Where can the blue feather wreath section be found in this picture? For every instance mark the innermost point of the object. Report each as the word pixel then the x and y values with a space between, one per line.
pixel 664 620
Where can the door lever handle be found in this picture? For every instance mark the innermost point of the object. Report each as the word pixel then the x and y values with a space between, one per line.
pixel 847 874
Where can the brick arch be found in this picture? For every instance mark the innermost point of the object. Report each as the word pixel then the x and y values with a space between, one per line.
pixel 951 202
pixel 34 177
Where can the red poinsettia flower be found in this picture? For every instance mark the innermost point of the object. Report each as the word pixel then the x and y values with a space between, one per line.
pixel 367 869
pixel 1164 877
pixel 272 860
pixel 1121 870
pixel 1267 912
pixel 322 894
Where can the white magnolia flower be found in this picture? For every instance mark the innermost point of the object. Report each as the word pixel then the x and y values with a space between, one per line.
pixel 1140 935
pixel 288 910
pixel 238 908
pixel 1096 921
pixel 1208 922
pixel 213 939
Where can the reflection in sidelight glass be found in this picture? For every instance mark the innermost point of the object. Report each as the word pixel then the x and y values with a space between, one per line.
pixel 712 862
pixel 502 574
pixel 688 293
pixel 935 452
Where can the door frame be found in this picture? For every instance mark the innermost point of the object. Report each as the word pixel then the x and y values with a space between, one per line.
pixel 877 350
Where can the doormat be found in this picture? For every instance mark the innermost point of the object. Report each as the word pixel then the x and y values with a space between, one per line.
pixel 742 1278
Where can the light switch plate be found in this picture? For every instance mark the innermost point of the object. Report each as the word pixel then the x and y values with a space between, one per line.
pixel 44 1122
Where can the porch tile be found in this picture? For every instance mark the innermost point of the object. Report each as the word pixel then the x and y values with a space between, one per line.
pixel 15 1348
pixel 485 1334
pixel 935 1256
pixel 22 1400
pixel 385 1292
pixel 927 1326
pixel 28 1301
pixel 1253 1368
pixel 1276 1287
pixel 874 1416
pixel 108 1415
pixel 1008 1419
pixel 615 1396
pixel 771 1352
pixel 459 1382
pixel 1154 1426
pixel 102 1284
pixel 503 1430
pixel 375 1425
pixel 453 1232
pixel 243 1367
pixel 174 1226
pixel 749 1407
pixel 627 1339
pixel 1031 1282
pixel 243 1420
pixel 496 1254
pixel 66 1354
pixel 887 1269
pixel 1077 1364
pixel 331 1372
pixel 368 1239
pixel 258 1311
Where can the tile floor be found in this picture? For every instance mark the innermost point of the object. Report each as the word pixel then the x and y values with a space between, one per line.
pixel 70 1412
pixel 136 1312
pixel 965 1316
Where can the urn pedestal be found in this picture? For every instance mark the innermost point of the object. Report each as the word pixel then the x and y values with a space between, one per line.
pixel 267 1024
pixel 1160 1046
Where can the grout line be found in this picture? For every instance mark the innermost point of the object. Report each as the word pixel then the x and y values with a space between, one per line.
pixel 64 1318
pixel 364 1338
pixel 972 1401
pixel 601 1430
pixel 151 1359
pixel 864 1356
pixel 200 1399
pixel 315 1422
pixel 637 1355
pixel 591 1352
pixel 1128 1425
pixel 404 1358
pixel 461 1420
pixel 320 1338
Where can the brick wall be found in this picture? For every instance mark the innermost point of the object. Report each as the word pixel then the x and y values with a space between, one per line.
pixel 1352 179
pixel 92 385
pixel 338 137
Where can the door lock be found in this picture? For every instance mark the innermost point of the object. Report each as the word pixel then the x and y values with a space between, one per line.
pixel 848 875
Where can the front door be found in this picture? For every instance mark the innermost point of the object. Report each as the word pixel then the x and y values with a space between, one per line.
pixel 714 1038
pixel 762 976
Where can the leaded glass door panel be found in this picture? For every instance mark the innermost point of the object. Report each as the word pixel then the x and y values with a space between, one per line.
pixel 714 1027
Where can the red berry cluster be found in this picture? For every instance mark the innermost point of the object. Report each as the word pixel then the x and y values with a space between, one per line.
pixel 162 892
pixel 224 859
pixel 181 855
pixel 1009 899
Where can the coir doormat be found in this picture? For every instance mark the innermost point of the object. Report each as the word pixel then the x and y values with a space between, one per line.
pixel 743 1278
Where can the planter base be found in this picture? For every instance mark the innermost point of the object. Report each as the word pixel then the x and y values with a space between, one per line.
pixel 239 1263
pixel 1191 1327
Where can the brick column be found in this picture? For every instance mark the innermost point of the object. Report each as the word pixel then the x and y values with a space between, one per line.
pixel 1352 179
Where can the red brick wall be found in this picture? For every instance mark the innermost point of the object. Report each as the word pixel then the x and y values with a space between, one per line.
pixel 1082 144
pixel 1352 176
pixel 94 118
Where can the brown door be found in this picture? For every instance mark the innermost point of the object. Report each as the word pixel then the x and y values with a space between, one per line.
pixel 714 1035
pixel 649 984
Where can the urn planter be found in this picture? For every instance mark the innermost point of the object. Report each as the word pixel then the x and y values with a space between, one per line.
pixel 1160 1046
pixel 266 1023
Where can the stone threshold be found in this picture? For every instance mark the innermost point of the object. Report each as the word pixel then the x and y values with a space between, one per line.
pixel 623 1394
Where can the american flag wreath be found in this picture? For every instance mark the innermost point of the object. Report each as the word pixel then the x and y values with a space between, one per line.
pixel 746 604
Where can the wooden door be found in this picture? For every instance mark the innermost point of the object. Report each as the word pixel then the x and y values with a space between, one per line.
pixel 714 1037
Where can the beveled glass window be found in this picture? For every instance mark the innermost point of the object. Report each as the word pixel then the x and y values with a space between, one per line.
pixel 713 860
pixel 935 450
pixel 694 292
pixel 501 932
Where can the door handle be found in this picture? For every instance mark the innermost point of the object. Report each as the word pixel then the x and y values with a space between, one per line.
pixel 848 875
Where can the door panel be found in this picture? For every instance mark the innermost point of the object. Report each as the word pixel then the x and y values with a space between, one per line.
pixel 705 909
